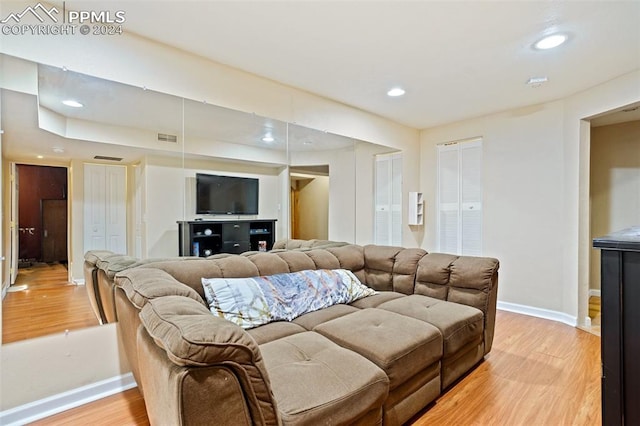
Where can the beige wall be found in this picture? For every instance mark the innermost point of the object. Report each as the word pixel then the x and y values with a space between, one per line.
pixel 37 368
pixel 615 184
pixel 170 196
pixel 313 207
pixel 522 197
pixel 536 194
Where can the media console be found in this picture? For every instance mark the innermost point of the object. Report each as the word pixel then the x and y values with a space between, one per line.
pixel 206 237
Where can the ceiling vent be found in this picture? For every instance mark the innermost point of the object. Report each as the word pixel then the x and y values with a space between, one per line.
pixel 167 138
pixel 104 157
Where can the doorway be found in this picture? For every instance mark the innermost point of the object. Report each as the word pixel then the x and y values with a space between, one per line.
pixel 614 188
pixel 42 215
pixel 611 157
pixel 309 202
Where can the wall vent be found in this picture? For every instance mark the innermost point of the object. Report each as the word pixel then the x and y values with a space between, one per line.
pixel 104 157
pixel 167 138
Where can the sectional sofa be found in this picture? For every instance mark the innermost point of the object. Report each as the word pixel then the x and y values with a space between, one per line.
pixel 380 359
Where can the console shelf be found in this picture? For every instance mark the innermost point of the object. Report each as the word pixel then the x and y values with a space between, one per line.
pixel 207 237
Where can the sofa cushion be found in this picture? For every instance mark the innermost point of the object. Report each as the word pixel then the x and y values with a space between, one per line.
pixel 274 330
pixel 310 320
pixel 376 299
pixel 400 345
pixel 250 302
pixel 460 325
pixel 316 381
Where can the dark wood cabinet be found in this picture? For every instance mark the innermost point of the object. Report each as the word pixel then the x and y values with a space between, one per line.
pixel 206 237
pixel 620 297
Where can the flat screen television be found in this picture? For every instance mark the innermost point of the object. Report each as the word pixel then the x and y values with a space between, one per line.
pixel 226 194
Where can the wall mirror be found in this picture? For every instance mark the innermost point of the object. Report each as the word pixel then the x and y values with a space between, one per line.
pixel 163 141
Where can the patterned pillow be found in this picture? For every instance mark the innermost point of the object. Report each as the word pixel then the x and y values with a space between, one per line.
pixel 251 302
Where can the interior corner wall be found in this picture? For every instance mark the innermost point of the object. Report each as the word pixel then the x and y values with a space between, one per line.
pixel 615 184
pixel 342 188
pixel 522 197
pixel 535 193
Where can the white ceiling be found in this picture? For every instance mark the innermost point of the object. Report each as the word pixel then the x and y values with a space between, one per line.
pixel 456 59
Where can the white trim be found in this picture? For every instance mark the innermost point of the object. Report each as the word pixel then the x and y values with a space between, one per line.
pixel 55 404
pixel 78 281
pixel 594 292
pixel 539 312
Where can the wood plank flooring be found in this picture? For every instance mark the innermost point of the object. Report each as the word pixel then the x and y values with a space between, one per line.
pixel 50 304
pixel 539 372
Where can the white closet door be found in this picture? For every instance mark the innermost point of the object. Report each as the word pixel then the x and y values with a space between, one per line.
pixel 105 219
pixel 396 200
pixel 471 198
pixel 95 224
pixel 388 200
pixel 383 201
pixel 460 198
pixel 116 207
pixel 448 196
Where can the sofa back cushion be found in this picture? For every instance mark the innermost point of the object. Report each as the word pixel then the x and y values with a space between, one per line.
pixel 460 279
pixel 391 268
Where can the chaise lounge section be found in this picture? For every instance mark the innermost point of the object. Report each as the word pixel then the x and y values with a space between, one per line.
pixel 378 360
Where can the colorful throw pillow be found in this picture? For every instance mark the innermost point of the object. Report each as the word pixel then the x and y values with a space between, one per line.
pixel 250 302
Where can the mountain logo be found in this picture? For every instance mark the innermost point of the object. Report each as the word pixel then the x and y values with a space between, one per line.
pixel 39 11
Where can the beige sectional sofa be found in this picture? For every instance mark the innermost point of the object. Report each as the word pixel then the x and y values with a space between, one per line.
pixel 379 360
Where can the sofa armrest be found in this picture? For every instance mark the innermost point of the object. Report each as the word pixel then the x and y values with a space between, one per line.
pixel 195 342
pixel 144 284
pixel 467 280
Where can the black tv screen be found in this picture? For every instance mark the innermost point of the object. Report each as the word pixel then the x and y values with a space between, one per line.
pixel 226 194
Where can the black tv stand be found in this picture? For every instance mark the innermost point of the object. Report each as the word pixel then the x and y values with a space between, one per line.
pixel 206 237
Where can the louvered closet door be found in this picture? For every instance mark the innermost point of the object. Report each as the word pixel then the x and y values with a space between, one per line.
pixel 388 200
pixel 460 198
pixel 471 198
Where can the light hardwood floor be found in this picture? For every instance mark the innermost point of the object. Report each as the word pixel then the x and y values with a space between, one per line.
pixel 49 304
pixel 539 372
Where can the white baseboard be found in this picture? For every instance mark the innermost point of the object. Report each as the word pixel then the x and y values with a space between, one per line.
pixel 55 404
pixel 539 312
pixel 593 292
pixel 78 281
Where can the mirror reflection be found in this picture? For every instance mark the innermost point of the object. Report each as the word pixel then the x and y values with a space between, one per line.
pixel 136 154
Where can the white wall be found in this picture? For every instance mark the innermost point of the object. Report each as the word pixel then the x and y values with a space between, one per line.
pixel 170 197
pixel 536 195
pixel 615 184
pixel 522 198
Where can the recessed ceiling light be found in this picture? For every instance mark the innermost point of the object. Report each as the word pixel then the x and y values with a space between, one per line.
pixel 268 138
pixel 549 42
pixel 396 91
pixel 39 157
pixel 58 150
pixel 72 103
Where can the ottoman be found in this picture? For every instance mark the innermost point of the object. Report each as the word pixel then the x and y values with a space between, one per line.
pixel 406 349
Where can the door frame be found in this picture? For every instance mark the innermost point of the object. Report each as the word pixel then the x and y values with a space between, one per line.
pixel 14 249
